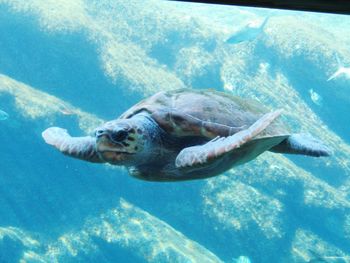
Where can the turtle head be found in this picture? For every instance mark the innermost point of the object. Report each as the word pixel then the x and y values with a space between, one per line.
pixel 123 141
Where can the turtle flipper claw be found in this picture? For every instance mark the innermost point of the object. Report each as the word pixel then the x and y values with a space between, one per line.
pixel 78 147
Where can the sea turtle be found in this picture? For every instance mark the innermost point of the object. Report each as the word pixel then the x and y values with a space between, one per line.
pixel 186 134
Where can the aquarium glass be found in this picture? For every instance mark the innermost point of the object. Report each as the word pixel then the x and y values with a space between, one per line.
pixel 76 64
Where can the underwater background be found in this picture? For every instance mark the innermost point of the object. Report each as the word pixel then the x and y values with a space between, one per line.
pixel 75 64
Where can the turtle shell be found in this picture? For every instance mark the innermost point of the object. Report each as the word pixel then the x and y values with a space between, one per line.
pixel 209 105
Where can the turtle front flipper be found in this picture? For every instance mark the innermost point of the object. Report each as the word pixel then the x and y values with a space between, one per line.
pixel 78 147
pixel 218 147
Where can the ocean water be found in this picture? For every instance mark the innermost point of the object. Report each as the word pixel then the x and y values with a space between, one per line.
pixel 75 64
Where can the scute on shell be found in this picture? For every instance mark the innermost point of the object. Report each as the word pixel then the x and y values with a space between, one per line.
pixel 209 105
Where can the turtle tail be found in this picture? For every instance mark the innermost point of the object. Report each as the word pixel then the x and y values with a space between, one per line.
pixel 303 144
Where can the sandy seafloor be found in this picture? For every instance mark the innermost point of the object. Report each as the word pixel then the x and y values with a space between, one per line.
pixel 75 64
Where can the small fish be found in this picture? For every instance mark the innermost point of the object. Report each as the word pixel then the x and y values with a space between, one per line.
pixel 66 109
pixel 315 97
pixel 3 115
pixel 247 33
pixel 340 71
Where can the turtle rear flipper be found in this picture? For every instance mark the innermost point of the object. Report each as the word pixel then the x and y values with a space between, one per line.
pixel 302 144
pixel 78 147
pixel 198 156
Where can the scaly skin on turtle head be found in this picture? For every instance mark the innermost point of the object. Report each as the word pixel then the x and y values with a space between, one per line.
pixel 125 141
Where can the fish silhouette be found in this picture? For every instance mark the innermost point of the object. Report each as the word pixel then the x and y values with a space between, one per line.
pixel 3 115
pixel 247 33
pixel 340 71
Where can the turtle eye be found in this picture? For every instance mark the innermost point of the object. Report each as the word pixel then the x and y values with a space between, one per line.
pixel 99 132
pixel 119 136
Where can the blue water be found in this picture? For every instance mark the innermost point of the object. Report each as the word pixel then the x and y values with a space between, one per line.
pixel 3 115
pixel 77 64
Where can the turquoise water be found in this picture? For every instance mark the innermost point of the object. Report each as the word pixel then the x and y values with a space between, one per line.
pixel 75 64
